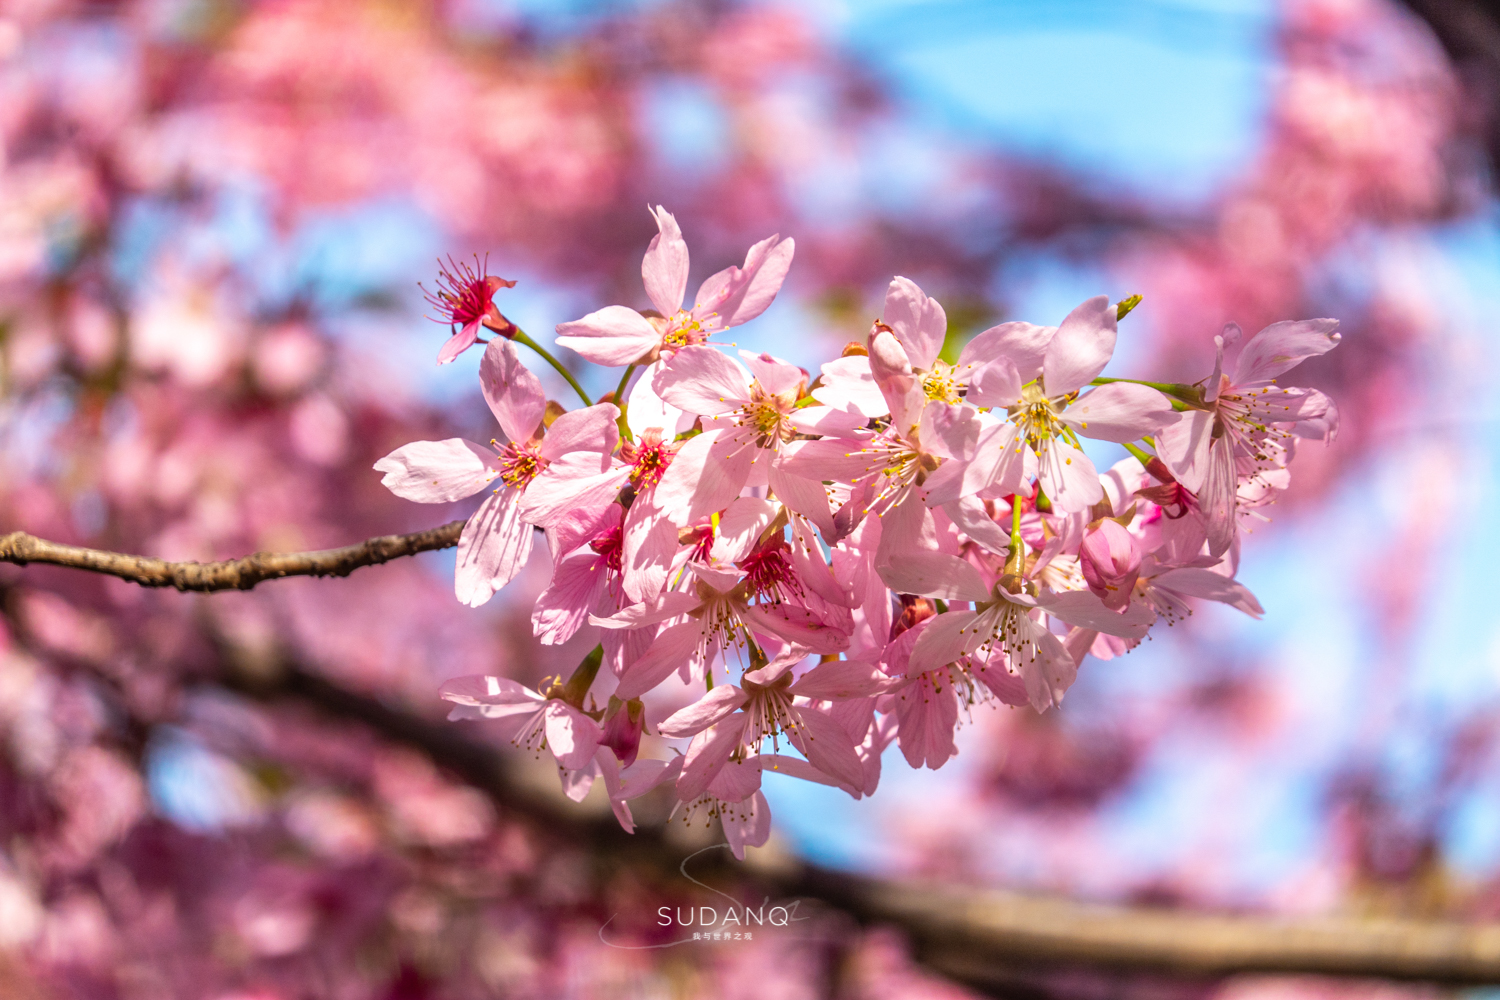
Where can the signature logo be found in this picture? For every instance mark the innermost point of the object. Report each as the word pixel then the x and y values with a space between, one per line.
pixel 728 921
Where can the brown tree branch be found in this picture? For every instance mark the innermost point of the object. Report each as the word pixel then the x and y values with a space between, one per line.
pixel 988 939
pixel 232 574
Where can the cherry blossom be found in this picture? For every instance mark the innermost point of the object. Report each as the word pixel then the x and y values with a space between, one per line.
pixel 617 335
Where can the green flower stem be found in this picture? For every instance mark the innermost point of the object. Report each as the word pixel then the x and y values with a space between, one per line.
pixel 1140 455
pixel 1183 395
pixel 521 338
pixel 620 402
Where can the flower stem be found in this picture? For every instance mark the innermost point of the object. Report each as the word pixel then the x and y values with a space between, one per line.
pixel 1140 455
pixel 1014 558
pixel 1183 395
pixel 521 337
pixel 620 402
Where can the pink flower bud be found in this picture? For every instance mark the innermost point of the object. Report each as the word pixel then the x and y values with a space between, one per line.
pixel 622 730
pixel 1110 558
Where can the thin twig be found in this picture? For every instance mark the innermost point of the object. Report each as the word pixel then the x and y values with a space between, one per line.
pixel 233 574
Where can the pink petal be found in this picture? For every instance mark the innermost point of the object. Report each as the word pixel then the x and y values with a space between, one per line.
pixel 933 574
pixel 827 746
pixel 579 526
pixel 437 471
pixel 1219 496
pixel 841 680
pixel 927 713
pixel 515 395
pixel 849 383
pixel 994 383
pixel 825 421
pixel 1007 687
pixel 1049 675
pixel 495 697
pixel 1069 478
pixel 783 664
pixel 949 430
pixel 774 375
pixel 664 607
pixel 1120 411
pixel 722 577
pixel 1024 345
pixel 709 471
pixel 842 460
pixel 747 825
pixel 736 782
pixel 891 367
pixel 571 736
pixel 1211 586
pixel 918 321
pixel 591 429
pixel 740 526
pixel 701 380
pixel 1083 609
pixel 1083 345
pixel 946 637
pixel 704 712
pixel 561 610
pixel 991 466
pixel 707 755
pixel 649 545
pixel 803 496
pixel 495 544
pixel 664 270
pixel 796 625
pixel 737 295
pixel 969 516
pixel 647 410
pixel 1183 447
pixel 814 572
pixel 1282 346
pixel 571 483
pixel 612 336
pixel 669 651
pixel 576 782
pixel 459 342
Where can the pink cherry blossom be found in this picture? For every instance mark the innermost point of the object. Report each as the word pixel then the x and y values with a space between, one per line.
pixel 496 542
pixel 719 615
pixel 616 335
pixel 528 719
pixel 1245 416
pixel 465 299
pixel 1045 412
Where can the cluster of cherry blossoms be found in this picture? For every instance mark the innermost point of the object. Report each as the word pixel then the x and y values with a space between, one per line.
pixel 843 561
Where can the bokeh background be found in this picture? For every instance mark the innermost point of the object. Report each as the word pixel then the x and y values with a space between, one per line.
pixel 213 219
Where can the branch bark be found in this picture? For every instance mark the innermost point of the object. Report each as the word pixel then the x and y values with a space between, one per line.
pixel 233 574
pixel 984 938
pixel 990 940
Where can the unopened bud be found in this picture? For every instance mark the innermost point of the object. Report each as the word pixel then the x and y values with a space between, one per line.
pixel 1110 558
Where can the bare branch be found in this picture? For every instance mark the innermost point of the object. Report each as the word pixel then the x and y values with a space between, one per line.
pixel 233 574
pixel 991 940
